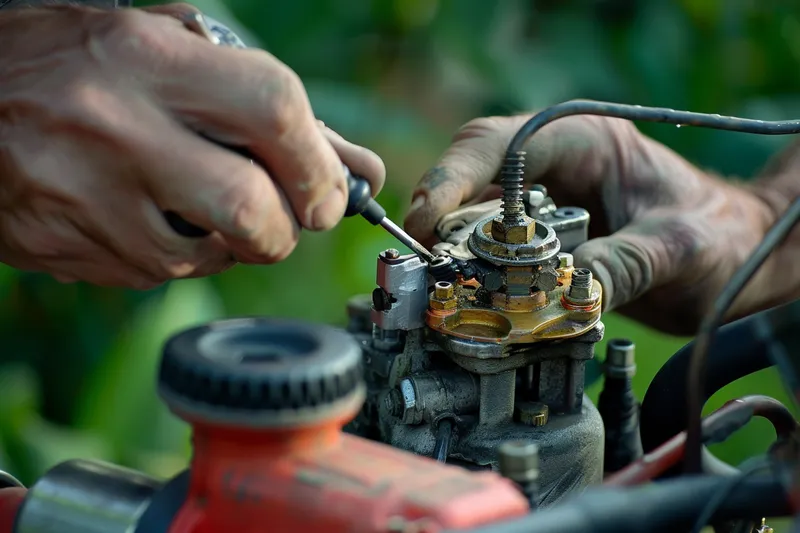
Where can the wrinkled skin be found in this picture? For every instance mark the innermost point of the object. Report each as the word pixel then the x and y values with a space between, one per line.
pixel 99 119
pixel 665 236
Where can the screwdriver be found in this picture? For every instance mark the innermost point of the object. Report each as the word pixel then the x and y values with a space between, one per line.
pixel 360 202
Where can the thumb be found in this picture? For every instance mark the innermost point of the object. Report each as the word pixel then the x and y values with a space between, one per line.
pixel 468 166
pixel 632 261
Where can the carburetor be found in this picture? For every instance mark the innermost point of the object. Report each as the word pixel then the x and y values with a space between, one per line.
pixel 457 365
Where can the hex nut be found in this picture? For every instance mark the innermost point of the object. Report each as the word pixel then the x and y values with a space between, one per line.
pixel 524 302
pixel 565 260
pixel 521 232
pixel 443 305
pixel 443 290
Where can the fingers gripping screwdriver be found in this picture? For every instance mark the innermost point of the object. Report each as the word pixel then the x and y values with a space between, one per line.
pixel 360 201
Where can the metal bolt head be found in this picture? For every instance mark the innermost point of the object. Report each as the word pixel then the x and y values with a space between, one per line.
pixel 518 460
pixel 443 290
pixel 411 413
pixel 519 231
pixel 391 253
pixel 533 198
pixel 620 358
pixel 621 353
pixel 565 260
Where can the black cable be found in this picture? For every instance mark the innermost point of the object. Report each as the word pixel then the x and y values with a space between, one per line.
pixel 718 498
pixel 511 181
pixel 648 114
pixel 444 434
pixel 662 507
pixel 696 377
pixel 739 349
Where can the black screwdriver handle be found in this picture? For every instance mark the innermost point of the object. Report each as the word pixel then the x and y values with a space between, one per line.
pixel 183 227
pixel 359 200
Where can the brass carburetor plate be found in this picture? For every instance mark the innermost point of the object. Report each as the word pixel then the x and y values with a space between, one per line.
pixel 518 311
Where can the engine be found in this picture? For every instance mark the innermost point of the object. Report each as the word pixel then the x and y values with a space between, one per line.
pixel 495 353
pixel 455 402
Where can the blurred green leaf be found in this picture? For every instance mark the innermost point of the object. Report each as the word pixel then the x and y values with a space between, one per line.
pixel 122 401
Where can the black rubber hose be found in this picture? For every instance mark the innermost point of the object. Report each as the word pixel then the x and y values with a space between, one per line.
pixel 738 350
pixel 667 506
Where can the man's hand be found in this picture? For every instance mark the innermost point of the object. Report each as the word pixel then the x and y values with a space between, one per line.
pixel 666 236
pixel 99 120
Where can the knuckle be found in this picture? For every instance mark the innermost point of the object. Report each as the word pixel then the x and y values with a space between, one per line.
pixel 88 105
pixel 478 128
pixel 282 98
pixel 171 266
pixel 138 34
pixel 181 7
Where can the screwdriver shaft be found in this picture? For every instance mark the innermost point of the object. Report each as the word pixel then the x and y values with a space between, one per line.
pixel 406 239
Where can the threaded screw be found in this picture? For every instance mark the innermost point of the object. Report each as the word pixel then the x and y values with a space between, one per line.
pixel 582 278
pixel 581 285
pixel 511 180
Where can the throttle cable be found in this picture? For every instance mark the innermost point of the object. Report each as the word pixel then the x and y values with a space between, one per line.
pixel 511 181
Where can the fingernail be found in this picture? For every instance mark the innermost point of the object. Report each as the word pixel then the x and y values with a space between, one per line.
pixel 329 211
pixel 418 202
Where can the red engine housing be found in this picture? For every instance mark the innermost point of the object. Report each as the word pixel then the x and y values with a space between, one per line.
pixel 321 479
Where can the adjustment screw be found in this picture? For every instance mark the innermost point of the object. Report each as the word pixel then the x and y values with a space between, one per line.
pixel 580 287
pixel 533 413
pixel 391 253
pixel 381 300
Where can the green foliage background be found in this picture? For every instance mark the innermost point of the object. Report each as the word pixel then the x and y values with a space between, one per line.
pixel 399 76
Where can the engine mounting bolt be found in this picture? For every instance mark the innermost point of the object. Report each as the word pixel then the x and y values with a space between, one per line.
pixel 443 290
pixel 518 460
pixel 565 260
pixel 580 287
